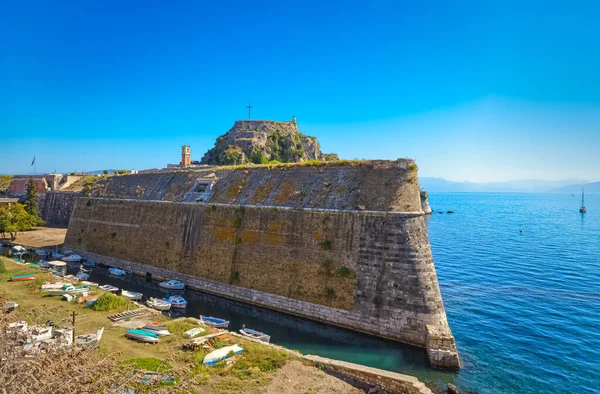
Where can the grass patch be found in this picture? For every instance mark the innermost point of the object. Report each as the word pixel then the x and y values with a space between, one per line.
pixel 344 272
pixel 148 364
pixel 258 358
pixel 325 245
pixel 109 302
pixel 179 326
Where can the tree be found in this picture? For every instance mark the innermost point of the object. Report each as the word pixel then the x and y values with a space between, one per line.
pixel 15 219
pixel 32 201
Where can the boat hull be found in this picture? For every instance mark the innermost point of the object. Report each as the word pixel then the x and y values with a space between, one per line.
pixel 142 336
pixel 261 336
pixel 22 278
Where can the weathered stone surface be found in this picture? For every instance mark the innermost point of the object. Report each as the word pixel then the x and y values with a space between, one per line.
pixel 452 389
pixel 56 207
pixel 425 202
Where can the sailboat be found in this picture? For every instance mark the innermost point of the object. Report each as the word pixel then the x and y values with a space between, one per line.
pixel 582 209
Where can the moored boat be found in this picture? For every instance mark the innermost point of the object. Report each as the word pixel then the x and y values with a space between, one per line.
pixel 158 304
pixel 221 354
pixel 142 336
pixel 156 329
pixel 132 295
pixel 59 268
pixel 88 263
pixel 250 333
pixel 176 301
pixel 72 258
pixel 172 285
pixel 41 252
pixel 20 278
pixel 82 275
pixel 117 271
pixel 109 288
pixel 193 332
pixel 57 255
pixel 214 321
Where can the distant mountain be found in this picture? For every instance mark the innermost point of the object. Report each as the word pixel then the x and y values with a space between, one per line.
pixel 523 186
pixel 589 188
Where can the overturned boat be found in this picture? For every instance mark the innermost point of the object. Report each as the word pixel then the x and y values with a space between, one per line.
pixel 221 354
pixel 142 336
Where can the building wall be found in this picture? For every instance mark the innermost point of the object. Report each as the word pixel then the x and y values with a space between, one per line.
pixel 56 207
pixel 369 271
pixel 19 186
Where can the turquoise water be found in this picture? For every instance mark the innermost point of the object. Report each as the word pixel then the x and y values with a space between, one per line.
pixel 524 307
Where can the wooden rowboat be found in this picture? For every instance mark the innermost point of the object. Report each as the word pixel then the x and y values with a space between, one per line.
pixel 19 278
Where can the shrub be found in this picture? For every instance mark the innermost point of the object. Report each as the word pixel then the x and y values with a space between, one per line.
pixel 108 302
pixel 258 356
pixel 344 272
pixel 413 167
pixel 330 293
pixel 234 278
pixel 325 245
pixel 148 364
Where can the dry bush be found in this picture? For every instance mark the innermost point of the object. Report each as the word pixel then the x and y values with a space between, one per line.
pixel 56 370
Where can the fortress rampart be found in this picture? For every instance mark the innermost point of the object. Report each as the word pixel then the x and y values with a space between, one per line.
pixel 354 234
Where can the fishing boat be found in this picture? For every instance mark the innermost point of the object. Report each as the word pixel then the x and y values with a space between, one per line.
pixel 72 258
pixel 221 354
pixel 214 321
pixel 132 295
pixel 582 209
pixel 158 304
pixel 172 285
pixel 250 333
pixel 176 301
pixel 20 278
pixel 117 271
pixel 59 268
pixel 41 252
pixel 156 329
pixel 193 332
pixel 89 340
pixel 109 288
pixel 142 336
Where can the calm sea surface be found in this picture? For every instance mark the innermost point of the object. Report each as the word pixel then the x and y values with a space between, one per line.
pixel 524 307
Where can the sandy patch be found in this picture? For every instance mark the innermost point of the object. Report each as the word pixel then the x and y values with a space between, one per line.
pixel 39 237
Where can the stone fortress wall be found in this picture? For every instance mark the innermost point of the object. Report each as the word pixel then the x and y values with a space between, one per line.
pixel 353 231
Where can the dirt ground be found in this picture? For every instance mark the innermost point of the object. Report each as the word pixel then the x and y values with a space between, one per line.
pixel 39 237
pixel 297 378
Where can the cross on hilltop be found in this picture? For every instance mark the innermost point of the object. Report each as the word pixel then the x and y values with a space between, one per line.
pixel 249 107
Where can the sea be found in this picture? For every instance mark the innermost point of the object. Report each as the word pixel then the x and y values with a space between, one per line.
pixel 520 279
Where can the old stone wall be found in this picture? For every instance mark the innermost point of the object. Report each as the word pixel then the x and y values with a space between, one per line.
pixel 56 207
pixel 369 271
pixel 362 185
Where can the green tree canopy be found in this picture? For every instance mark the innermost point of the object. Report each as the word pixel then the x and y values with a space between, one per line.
pixel 15 219
pixel 31 202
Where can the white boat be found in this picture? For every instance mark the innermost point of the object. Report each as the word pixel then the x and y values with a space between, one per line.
pixel 158 304
pixel 117 271
pixel 18 249
pixel 221 354
pixel 72 258
pixel 11 305
pixel 70 289
pixel 176 301
pixel 68 297
pixel 91 340
pixel 214 321
pixel 172 285
pixel 132 295
pixel 89 284
pixel 81 275
pixel 142 336
pixel 156 329
pixel 109 288
pixel 41 252
pixel 250 333
pixel 194 332
pixel 54 286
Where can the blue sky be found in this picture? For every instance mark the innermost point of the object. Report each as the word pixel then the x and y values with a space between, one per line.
pixel 472 90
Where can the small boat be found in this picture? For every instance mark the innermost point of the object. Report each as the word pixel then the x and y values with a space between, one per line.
pixel 193 332
pixel 156 329
pixel 176 301
pixel 20 325
pixel 59 268
pixel 70 289
pixel 57 256
pixel 72 258
pixel 91 340
pixel 582 209
pixel 41 252
pixel 132 295
pixel 117 271
pixel 19 278
pixel 53 286
pixel 34 265
pixel 81 275
pixel 89 284
pixel 250 333
pixel 142 336
pixel 68 297
pixel 109 288
pixel 172 284
pixel 214 321
pixel 221 354
pixel 18 249
pixel 158 304
pixel 88 263
pixel 43 264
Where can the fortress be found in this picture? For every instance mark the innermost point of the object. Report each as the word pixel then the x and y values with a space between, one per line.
pixel 341 242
